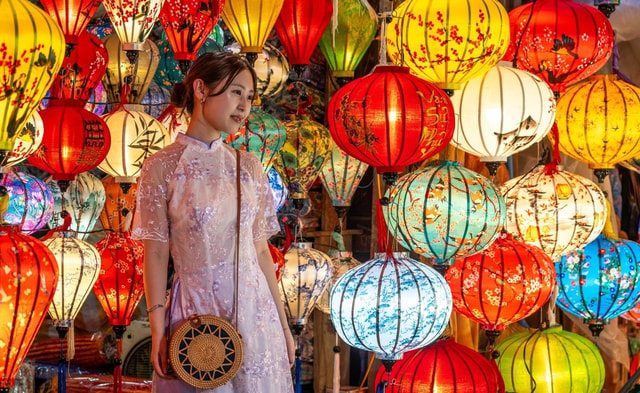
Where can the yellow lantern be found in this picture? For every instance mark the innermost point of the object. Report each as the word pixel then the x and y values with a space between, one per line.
pixel 448 42
pixel 272 69
pixel 32 51
pixel 251 21
pixel 599 122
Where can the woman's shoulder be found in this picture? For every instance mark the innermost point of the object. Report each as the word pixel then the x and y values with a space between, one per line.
pixel 248 161
pixel 165 158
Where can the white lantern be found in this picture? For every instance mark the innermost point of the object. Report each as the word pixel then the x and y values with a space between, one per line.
pixel 341 262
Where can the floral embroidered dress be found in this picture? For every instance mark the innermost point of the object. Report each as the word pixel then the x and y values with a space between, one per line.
pixel 187 197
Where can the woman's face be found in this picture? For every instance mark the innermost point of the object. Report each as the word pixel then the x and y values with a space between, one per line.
pixel 227 111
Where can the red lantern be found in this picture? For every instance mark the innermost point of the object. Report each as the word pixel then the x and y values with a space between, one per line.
pixel 278 260
pixel 300 26
pixel 561 41
pixel 390 119
pixel 72 16
pixel 28 280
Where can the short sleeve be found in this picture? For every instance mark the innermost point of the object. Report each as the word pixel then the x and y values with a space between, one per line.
pixel 151 220
pixel 265 223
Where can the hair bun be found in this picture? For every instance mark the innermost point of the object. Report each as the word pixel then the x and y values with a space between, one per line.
pixel 178 95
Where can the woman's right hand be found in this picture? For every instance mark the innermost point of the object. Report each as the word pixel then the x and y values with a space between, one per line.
pixel 159 356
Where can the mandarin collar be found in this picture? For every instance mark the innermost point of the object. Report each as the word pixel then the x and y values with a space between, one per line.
pixel 192 141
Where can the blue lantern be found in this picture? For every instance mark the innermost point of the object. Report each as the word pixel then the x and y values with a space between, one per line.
pixel 156 99
pixel 278 189
pixel 30 201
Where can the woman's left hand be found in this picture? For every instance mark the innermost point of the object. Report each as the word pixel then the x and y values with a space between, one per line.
pixel 291 345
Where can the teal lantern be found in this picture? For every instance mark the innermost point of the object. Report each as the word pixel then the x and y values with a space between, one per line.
pixel 341 175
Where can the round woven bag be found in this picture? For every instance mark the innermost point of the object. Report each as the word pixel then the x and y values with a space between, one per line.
pixel 205 351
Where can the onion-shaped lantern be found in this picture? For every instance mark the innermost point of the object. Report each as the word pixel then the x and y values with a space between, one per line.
pixel 559 212
pixel 168 72
pixel 390 119
pixel 156 100
pixel 26 142
pixel 278 260
pixel 133 21
pixel 599 122
pixel 502 113
pixel 32 51
pixel 448 43
pixel 278 189
pixel 72 16
pixel 390 305
pixel 561 41
pixel 444 366
pixel 444 212
pixel 272 69
pixel 600 281
pixel 83 201
pixel 341 175
pixel 119 206
pixel 305 276
pixel 503 284
pixel 550 360
pixel 341 262
pixel 263 135
pixel 30 201
pixel 251 22
pixel 28 280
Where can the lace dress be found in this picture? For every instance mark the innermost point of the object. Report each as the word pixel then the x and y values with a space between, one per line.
pixel 187 196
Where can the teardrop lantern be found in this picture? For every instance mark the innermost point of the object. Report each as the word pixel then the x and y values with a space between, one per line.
pixel 251 22
pixel 119 206
pixel 30 201
pixel 341 175
pixel 72 16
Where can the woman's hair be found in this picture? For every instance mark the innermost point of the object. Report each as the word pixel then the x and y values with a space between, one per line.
pixel 213 69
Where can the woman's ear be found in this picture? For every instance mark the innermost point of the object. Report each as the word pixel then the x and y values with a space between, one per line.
pixel 199 90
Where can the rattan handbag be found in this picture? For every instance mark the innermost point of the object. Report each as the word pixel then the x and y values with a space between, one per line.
pixel 206 351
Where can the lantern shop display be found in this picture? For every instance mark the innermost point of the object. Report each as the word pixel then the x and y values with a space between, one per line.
pixel 133 21
pixel 271 67
pixel 72 16
pixel 341 175
pixel 26 142
pixel 251 22
pixel 119 206
pixel 30 204
pixel 341 262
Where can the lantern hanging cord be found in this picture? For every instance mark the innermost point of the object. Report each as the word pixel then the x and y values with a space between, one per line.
pixel 552 166
pixel 386 18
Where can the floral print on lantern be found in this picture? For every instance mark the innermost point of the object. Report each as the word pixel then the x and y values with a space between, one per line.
pixel 341 176
pixel 278 189
pixel 133 20
pixel 341 262
pixel 30 201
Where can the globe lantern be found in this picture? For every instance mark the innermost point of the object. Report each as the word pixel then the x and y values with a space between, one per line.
pixel 501 113
pixel 26 142
pixel 444 212
pixel 72 16
pixel 30 201
pixel 448 42
pixel 341 175
pixel 278 189
pixel 271 67
pixel 390 119
pixel 28 280
pixel 559 212
pixel 341 262
pixel 600 281
pixel 278 260
pixel 561 41
pixel 156 100
pixel 119 206
pixel 251 22
pixel 550 360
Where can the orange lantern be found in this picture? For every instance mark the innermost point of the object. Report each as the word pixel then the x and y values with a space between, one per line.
pixel 119 207
pixel 72 16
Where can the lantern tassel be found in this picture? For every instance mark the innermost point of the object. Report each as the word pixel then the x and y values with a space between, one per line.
pixel 615 58
pixel 71 344
pixel 552 166
pixel 298 375
pixel 383 233
pixel 336 366
pixel 168 111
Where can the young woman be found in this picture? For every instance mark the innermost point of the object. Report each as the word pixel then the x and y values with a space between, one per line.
pixel 186 207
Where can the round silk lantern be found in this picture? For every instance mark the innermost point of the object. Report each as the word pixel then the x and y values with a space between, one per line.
pixel 341 262
pixel 72 16
pixel 550 360
pixel 251 22
pixel 444 366
pixel 98 101
pixel 119 206
pixel 503 284
pixel 30 201
pixel 341 175
pixel 448 43
pixel 502 113
pixel 390 119
pixel 278 189
pixel 33 49
pixel 390 305
pixel 558 213
pixel 156 100
pixel 133 21
pixel 305 276
pixel 561 41
pixel 600 281
pixel 272 69
pixel 278 260
pixel 599 122
pixel 444 212
pixel 26 142
pixel 28 280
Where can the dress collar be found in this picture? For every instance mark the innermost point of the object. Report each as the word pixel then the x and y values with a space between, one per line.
pixel 189 140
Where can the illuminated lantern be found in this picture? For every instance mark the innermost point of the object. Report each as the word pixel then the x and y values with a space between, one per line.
pixel 136 76
pixel 558 213
pixel 30 201
pixel 300 26
pixel 176 122
pixel 348 36
pixel 632 315
pixel 72 16
pixel 444 366
pixel 503 284
pixel 28 281
pixel 444 211
pixel 155 100
pixel 341 262
pixel 278 189
pixel 271 67
pixel 251 22
pixel 390 119
pixel 262 135
pixel 278 260
pixel 98 101
pixel 550 360
pixel 119 207
pixel 169 73
pixel 26 142
pixel 31 59
pixel 600 281
pixel 83 201
pixel 448 43
pixel 502 113
pixel 306 149
pixel 416 299
pixel 341 175
pixel 561 41
pixel 599 122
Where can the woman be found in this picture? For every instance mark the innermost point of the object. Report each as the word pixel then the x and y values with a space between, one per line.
pixel 187 205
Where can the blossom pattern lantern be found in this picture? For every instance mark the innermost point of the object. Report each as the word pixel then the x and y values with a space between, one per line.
pixel 561 41
pixel 444 212
pixel 278 189
pixel 30 201
pixel 119 206
pixel 550 360
pixel 133 20
pixel 559 212
pixel 502 113
pixel 28 280
pixel 72 16
pixel 278 260
pixel 600 281
pixel 251 22
pixel 341 176
pixel 390 119
pixel 271 67
pixel 341 262
pixel 26 142
pixel 448 43
pixel 390 305
pixel 32 46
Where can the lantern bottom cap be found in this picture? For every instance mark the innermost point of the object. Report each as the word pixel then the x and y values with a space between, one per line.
pixel 251 49
pixel 343 74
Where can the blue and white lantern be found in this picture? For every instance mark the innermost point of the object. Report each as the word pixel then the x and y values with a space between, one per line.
pixel 278 189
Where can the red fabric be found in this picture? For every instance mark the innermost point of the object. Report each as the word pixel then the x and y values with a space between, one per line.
pixel 278 260
pixel 552 166
pixel 72 16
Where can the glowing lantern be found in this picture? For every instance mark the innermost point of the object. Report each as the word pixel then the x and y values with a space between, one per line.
pixel 28 281
pixel 72 16
pixel 390 119
pixel 119 207
pixel 348 36
pixel 156 100
pixel 550 360
pixel 502 113
pixel 341 175
pixel 632 315
pixel 558 213
pixel 272 69
pixel 251 22
pixel 444 212
pixel 176 122
pixel 169 73
pixel 561 41
pixel 26 142
pixel 30 201
pixel 448 43
pixel 341 262
pixel 32 58
pixel 278 189
pixel 278 260
pixel 98 101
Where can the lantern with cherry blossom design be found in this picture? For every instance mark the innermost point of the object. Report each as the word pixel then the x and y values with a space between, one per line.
pixel 119 206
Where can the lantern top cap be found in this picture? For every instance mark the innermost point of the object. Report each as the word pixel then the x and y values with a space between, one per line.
pixel 305 245
pixel 390 68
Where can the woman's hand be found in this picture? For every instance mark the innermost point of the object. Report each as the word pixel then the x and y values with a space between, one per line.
pixel 159 356
pixel 291 345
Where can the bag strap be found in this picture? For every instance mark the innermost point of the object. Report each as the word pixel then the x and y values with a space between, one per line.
pixel 239 191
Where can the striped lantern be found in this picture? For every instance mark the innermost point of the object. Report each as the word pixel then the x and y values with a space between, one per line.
pixel 119 206
pixel 341 175
pixel 271 67
pixel 133 20
pixel 72 16
pixel 250 21
pixel 30 201
pixel 26 142
pixel 341 262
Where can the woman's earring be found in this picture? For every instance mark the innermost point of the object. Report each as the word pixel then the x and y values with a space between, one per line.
pixel 202 100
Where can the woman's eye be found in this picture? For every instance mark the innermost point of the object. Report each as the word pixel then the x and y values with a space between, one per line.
pixel 237 92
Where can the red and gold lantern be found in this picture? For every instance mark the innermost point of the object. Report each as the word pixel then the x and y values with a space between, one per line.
pixel 72 16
